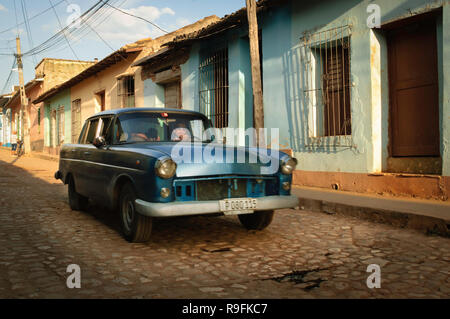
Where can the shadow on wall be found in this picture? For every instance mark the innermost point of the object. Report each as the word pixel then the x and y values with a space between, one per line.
pixel 298 65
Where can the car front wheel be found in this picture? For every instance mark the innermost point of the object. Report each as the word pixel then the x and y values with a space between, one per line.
pixel 256 221
pixel 136 228
pixel 76 201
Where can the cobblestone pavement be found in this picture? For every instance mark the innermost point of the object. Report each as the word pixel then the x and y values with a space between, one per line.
pixel 301 255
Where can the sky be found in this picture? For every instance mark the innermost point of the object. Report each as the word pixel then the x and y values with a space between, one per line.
pixel 115 28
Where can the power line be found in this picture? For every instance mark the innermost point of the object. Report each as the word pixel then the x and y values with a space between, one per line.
pixel 8 80
pixel 104 41
pixel 27 27
pixel 57 38
pixel 17 20
pixel 137 17
pixel 60 25
pixel 31 18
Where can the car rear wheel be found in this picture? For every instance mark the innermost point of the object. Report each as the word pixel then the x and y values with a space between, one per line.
pixel 76 201
pixel 136 228
pixel 256 221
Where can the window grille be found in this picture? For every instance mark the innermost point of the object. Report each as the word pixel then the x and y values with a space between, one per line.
pixel 39 119
pixel 53 128
pixel 61 125
pixel 214 87
pixel 76 120
pixel 125 91
pixel 327 81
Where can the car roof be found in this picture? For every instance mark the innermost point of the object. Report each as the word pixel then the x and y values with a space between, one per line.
pixel 144 109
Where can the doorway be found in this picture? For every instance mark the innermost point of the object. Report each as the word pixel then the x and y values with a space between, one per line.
pixel 414 98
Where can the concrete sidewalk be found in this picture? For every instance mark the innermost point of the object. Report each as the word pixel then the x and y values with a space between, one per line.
pixel 426 215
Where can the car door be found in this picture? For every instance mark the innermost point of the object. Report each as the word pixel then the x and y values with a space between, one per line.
pixel 102 157
pixel 85 180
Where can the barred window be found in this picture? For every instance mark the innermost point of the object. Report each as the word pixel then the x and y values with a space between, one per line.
pixel 328 81
pixel 125 91
pixel 76 120
pixel 39 119
pixel 213 93
pixel 61 125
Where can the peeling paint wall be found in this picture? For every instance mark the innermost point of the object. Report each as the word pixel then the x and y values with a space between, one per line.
pixel 62 99
pixel 445 148
pixel 365 151
pixel 285 105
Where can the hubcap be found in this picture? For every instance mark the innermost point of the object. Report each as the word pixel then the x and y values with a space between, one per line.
pixel 128 214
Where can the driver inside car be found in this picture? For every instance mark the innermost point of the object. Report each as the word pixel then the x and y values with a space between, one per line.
pixel 138 135
pixel 181 133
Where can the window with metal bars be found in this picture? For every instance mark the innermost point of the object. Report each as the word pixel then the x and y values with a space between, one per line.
pixel 76 120
pixel 213 77
pixel 327 81
pixel 125 91
pixel 61 125
pixel 39 119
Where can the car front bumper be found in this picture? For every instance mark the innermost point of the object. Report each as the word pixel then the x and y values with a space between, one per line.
pixel 174 209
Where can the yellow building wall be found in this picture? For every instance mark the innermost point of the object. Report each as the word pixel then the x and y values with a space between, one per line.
pixel 106 80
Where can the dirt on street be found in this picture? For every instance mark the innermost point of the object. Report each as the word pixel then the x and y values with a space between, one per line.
pixel 300 255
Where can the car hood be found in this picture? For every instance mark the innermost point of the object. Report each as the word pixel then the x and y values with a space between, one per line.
pixel 208 159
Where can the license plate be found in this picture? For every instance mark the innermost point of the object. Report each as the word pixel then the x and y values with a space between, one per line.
pixel 236 206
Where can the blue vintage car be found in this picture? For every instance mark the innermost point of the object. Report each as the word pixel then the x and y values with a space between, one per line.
pixel 150 163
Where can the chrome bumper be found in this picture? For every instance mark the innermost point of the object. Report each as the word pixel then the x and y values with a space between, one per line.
pixel 208 207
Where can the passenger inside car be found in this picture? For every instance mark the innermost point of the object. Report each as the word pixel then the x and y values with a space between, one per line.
pixel 181 133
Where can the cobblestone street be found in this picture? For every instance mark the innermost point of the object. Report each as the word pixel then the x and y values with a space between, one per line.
pixel 301 255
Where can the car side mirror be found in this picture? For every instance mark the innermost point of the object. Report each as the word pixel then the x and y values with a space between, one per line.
pixel 99 141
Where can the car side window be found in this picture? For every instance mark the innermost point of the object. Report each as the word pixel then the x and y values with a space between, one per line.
pixel 118 134
pixel 106 129
pixel 82 136
pixel 92 131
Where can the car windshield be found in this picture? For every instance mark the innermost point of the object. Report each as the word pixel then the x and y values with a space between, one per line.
pixel 159 127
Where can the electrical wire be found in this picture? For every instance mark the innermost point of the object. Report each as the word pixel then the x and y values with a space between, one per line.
pixel 8 80
pixel 27 27
pixel 57 39
pixel 31 18
pixel 17 19
pixel 137 17
pixel 60 25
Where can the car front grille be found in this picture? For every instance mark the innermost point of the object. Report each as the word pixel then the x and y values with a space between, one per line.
pixel 220 189
pixel 223 187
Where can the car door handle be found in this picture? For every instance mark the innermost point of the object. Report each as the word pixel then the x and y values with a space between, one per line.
pixel 87 153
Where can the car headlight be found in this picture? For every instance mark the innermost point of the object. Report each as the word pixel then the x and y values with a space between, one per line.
pixel 166 168
pixel 289 166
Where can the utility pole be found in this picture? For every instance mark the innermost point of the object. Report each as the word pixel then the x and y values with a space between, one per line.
pixel 258 106
pixel 24 118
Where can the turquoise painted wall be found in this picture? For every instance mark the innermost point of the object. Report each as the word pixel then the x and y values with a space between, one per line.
pixel 365 151
pixel 287 107
pixel 61 99
pixel 153 94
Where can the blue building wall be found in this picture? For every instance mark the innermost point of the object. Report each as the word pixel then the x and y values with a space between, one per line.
pixel 286 104
pixel 6 127
pixel 288 107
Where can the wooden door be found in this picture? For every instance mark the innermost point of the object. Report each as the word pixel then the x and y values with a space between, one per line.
pixel 414 90
pixel 172 95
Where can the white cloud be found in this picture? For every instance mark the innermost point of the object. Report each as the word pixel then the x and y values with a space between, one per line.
pixel 2 8
pixel 181 22
pixel 122 28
